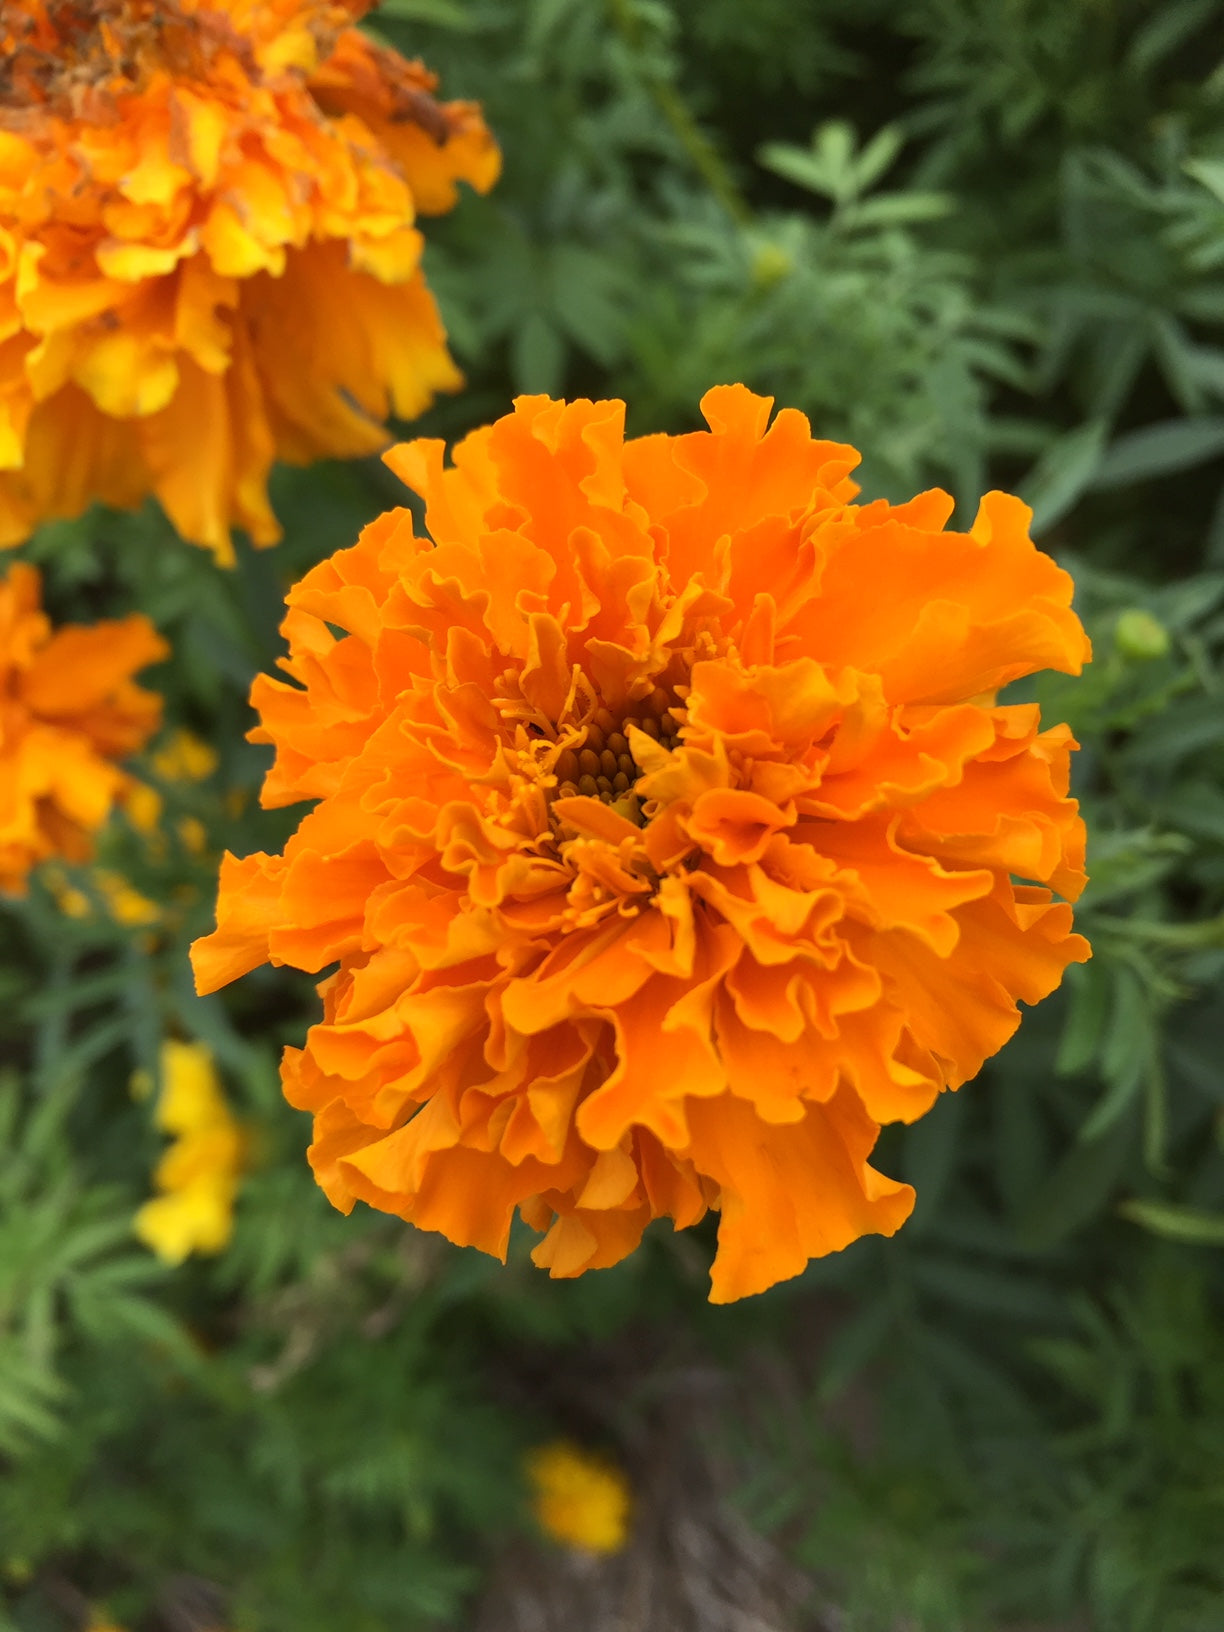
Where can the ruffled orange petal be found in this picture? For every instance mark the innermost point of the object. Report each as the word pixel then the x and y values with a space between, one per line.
pixel 793 1193
pixel 69 710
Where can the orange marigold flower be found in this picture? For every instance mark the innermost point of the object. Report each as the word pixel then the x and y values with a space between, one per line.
pixel 68 711
pixel 666 834
pixel 207 252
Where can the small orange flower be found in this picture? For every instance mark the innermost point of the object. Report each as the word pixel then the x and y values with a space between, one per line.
pixel 68 711
pixel 207 252
pixel 667 834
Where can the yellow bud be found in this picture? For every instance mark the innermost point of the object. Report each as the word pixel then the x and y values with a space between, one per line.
pixel 73 903
pixel 185 758
pixel 770 264
pixel 125 904
pixel 194 835
pixel 143 805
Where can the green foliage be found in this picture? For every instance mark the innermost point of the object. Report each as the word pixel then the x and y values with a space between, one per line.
pixel 983 240
pixel 1079 1470
pixel 318 1448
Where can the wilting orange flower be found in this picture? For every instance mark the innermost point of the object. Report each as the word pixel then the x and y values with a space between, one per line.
pixel 207 252
pixel 68 711
pixel 666 834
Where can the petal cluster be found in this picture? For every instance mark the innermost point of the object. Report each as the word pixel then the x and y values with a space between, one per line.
pixel 668 837
pixel 198 1176
pixel 208 256
pixel 68 711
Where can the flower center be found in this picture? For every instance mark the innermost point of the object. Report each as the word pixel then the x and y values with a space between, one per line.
pixel 52 53
pixel 600 764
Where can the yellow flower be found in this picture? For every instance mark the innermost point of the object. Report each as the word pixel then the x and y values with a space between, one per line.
pixel 143 807
pixel 193 835
pixel 124 903
pixel 579 1499
pixel 184 757
pixel 209 254
pixel 198 1175
pixel 73 903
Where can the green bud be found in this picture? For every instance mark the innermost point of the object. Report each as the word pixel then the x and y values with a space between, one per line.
pixel 770 264
pixel 1139 635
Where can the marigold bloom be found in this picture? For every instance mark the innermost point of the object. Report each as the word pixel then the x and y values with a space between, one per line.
pixel 579 1499
pixel 207 252
pixel 198 1176
pixel 666 834
pixel 68 711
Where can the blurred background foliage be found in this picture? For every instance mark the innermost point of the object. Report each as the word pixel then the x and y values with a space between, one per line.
pixel 984 240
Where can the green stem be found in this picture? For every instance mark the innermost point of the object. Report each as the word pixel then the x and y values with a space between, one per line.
pixel 1155 1116
pixel 700 151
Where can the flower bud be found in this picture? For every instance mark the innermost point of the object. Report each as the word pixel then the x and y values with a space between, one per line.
pixel 770 264
pixel 1139 635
